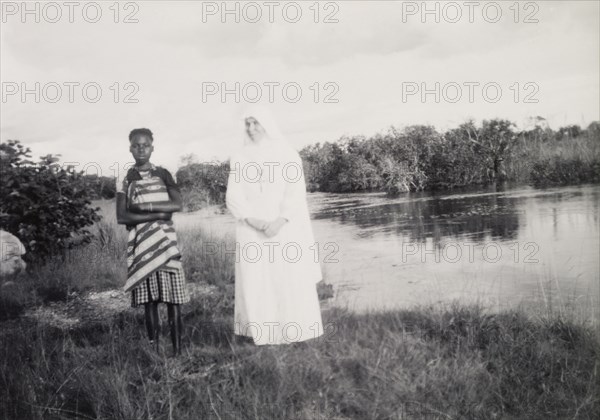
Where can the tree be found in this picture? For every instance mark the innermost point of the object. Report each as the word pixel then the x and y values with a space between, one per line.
pixel 45 205
pixel 494 141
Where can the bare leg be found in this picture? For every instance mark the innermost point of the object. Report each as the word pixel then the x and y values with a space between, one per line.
pixel 176 325
pixel 152 323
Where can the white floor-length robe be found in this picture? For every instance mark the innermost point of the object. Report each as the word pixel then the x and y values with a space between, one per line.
pixel 275 278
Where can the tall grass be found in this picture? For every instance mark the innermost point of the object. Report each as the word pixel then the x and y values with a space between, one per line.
pixel 571 161
pixel 455 362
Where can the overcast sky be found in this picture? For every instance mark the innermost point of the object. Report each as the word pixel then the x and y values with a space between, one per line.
pixel 373 57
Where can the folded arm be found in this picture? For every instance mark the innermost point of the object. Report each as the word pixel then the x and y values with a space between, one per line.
pixel 127 217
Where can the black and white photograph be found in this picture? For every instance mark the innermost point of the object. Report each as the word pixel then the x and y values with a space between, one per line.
pixel 300 210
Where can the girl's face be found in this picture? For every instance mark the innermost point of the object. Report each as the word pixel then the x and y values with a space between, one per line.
pixel 141 148
pixel 255 131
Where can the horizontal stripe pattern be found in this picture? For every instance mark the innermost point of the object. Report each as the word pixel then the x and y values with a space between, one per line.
pixel 151 190
pixel 151 246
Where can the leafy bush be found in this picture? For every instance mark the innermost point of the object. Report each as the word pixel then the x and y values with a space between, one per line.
pixel 43 204
pixel 203 184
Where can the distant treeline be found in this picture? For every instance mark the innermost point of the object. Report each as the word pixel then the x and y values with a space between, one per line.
pixel 420 158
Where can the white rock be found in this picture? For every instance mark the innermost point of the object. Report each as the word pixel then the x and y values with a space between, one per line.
pixel 11 251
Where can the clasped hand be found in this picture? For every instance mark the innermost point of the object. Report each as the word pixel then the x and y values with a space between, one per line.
pixel 270 229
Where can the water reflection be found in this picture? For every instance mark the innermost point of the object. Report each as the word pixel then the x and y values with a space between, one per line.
pixel 499 246
pixel 421 215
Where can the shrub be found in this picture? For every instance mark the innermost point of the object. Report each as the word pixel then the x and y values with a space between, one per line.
pixel 203 184
pixel 43 204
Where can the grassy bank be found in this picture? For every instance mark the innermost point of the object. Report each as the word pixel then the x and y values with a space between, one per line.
pixel 453 362
pixel 456 363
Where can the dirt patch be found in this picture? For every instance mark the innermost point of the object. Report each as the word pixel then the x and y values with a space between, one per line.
pixel 95 306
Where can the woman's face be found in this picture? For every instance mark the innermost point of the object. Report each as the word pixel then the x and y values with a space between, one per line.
pixel 141 148
pixel 255 131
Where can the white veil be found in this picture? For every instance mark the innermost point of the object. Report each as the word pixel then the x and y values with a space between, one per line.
pixel 266 119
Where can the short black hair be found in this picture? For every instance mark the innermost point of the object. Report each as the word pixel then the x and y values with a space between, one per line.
pixel 140 132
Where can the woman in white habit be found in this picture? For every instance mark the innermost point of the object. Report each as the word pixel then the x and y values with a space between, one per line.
pixel 277 262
